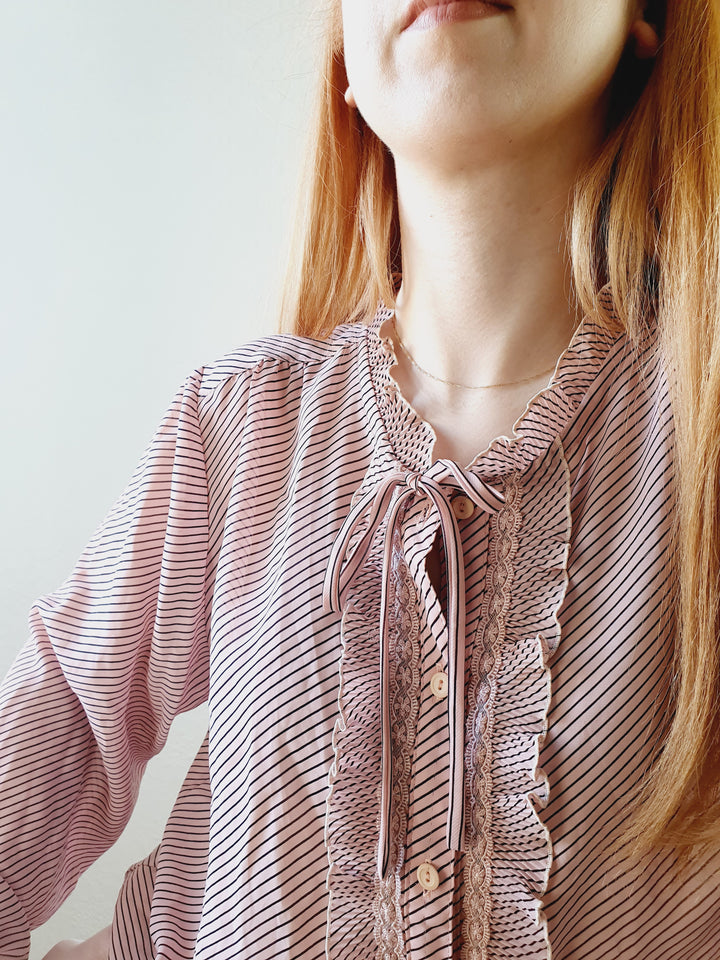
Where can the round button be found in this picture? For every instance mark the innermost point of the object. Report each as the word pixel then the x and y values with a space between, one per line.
pixel 463 507
pixel 439 685
pixel 428 877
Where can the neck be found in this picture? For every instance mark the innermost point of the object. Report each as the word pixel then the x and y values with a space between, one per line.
pixel 486 292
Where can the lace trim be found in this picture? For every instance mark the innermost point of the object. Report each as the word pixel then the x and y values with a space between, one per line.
pixel 486 664
pixel 404 709
pixel 387 929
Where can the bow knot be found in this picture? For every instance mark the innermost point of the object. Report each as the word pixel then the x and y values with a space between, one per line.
pixel 413 481
pixel 384 503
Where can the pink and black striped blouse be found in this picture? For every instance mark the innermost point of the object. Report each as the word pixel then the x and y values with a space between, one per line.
pixel 391 771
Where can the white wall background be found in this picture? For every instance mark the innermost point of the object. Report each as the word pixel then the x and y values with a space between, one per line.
pixel 147 177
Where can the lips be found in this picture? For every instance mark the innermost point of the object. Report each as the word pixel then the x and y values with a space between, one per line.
pixel 417 7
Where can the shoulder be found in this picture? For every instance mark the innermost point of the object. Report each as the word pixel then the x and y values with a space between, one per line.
pixel 282 356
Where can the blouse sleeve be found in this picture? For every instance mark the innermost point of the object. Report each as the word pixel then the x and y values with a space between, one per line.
pixel 114 655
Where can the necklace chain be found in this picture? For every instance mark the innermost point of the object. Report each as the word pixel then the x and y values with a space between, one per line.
pixel 464 386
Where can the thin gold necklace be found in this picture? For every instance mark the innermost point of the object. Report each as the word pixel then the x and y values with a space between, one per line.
pixel 464 386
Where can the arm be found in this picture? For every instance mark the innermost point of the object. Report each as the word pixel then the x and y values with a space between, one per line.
pixel 114 655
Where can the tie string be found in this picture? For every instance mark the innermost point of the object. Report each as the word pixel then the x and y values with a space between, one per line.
pixel 384 503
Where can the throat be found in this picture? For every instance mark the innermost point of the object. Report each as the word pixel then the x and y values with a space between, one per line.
pixel 465 421
pixel 463 435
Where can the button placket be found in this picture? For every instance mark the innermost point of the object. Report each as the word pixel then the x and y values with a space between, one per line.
pixel 431 821
pixel 426 845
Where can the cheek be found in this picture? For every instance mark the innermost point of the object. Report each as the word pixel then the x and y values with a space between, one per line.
pixel 574 63
pixel 367 51
pixel 593 46
pixel 357 37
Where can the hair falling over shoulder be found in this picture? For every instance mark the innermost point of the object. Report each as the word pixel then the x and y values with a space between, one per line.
pixel 645 225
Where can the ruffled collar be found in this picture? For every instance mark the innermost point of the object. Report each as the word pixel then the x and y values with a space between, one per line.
pixel 545 418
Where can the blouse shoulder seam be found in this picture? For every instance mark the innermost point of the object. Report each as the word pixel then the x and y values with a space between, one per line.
pixel 281 350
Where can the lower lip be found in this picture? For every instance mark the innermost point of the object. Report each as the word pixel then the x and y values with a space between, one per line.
pixel 453 12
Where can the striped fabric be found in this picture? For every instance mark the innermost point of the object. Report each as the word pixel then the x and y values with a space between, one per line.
pixel 212 579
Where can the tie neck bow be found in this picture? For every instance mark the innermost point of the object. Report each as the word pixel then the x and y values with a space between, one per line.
pixel 382 505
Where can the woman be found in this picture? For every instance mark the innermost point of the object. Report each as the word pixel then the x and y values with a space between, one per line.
pixel 521 747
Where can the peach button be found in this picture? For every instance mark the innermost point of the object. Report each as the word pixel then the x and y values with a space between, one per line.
pixel 439 685
pixel 428 877
pixel 463 507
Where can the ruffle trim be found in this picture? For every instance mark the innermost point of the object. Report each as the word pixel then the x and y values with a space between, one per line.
pixel 545 417
pixel 487 665
pixel 364 911
pixel 510 854
pixel 353 802
pixel 410 438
